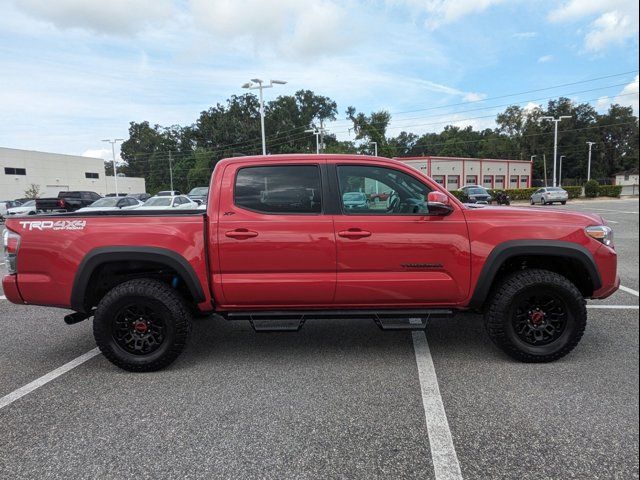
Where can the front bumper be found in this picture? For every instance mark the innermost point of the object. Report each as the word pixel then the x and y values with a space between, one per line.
pixel 607 262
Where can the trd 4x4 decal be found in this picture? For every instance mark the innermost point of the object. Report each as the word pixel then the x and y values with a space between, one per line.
pixel 54 224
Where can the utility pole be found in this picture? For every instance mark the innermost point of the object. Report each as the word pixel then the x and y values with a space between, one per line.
pixel 170 171
pixel 589 161
pixel 544 162
pixel 531 160
pixel 321 135
pixel 259 86
pixel 560 174
pixel 555 142
pixel 113 153
pixel 316 132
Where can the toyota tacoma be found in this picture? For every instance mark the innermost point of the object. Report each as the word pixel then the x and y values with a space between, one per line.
pixel 276 246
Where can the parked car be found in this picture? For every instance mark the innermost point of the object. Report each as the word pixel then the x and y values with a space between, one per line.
pixel 66 201
pixel 169 202
pixel 475 194
pixel 112 203
pixel 547 195
pixel 168 193
pixel 199 194
pixel 116 195
pixel 5 205
pixel 355 200
pixel 275 265
pixel 27 208
pixel 143 197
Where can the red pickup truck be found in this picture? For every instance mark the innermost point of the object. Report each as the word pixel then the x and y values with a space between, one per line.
pixel 276 246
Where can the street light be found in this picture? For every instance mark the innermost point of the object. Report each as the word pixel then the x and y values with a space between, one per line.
pixel 555 142
pixel 113 153
pixel 375 148
pixel 259 86
pixel 589 161
pixel 316 132
pixel 560 173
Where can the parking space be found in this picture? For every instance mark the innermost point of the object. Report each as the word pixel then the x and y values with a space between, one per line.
pixel 339 399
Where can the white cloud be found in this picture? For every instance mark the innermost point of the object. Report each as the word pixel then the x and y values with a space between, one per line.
pixel 616 22
pixel 292 27
pixel 524 35
pixel 441 12
pixel 628 97
pixel 119 17
pixel 102 153
pixel 531 107
pixel 545 58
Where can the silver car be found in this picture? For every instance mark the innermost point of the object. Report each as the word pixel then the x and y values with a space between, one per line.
pixel 547 195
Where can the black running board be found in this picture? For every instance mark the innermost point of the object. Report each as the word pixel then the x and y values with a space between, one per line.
pixel 292 321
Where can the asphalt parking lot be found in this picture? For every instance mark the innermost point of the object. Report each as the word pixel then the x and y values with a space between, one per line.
pixel 339 399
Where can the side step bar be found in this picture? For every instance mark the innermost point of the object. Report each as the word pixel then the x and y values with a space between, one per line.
pixel 292 321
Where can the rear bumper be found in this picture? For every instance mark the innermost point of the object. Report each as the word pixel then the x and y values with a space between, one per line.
pixel 10 287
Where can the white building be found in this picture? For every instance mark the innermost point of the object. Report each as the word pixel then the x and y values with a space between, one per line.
pixel 454 172
pixel 54 172
pixel 629 183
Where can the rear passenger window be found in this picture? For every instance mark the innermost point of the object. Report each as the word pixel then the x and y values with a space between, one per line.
pixel 283 189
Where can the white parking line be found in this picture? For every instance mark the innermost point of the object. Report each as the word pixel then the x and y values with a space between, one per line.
pixel 2 297
pixel 443 453
pixel 30 387
pixel 629 290
pixel 614 307
pixel 612 211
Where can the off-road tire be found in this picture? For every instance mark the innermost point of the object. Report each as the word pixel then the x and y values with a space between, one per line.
pixel 499 316
pixel 170 306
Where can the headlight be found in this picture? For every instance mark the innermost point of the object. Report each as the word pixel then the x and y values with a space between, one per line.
pixel 602 233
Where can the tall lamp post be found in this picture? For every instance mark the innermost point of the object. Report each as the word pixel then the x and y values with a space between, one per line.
pixel 257 84
pixel 375 148
pixel 555 142
pixel 113 153
pixel 316 132
pixel 531 159
pixel 589 161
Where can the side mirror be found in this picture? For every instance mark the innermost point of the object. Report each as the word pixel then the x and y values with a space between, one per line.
pixel 438 204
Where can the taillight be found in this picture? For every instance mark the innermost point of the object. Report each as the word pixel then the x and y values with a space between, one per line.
pixel 61 202
pixel 11 244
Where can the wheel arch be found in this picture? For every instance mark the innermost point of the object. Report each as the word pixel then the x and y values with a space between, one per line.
pixel 569 259
pixel 103 256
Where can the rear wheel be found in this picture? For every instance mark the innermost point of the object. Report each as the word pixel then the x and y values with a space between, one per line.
pixel 542 202
pixel 536 316
pixel 563 203
pixel 141 325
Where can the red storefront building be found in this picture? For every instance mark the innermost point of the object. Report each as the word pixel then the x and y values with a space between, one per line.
pixel 455 172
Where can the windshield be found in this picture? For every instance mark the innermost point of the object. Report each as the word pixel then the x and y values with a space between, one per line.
pixel 353 196
pixel 105 202
pixel 477 191
pixel 30 203
pixel 158 202
pixel 199 191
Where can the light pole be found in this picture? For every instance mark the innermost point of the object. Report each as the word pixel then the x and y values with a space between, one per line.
pixel 375 148
pixel 113 152
pixel 259 86
pixel 589 161
pixel 531 160
pixel 555 142
pixel 560 173
pixel 316 132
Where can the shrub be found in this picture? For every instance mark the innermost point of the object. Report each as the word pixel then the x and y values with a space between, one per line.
pixel 457 193
pixel 591 189
pixel 574 192
pixel 610 190
pixel 520 193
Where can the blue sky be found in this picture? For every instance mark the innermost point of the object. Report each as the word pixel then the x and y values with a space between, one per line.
pixel 77 71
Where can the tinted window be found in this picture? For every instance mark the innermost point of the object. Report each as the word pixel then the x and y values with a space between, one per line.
pixel 383 191
pixel 279 189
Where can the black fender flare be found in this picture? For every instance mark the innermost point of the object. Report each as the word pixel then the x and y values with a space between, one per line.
pixel 101 255
pixel 513 248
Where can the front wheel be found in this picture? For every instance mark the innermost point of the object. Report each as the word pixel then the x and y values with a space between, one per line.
pixel 141 325
pixel 536 316
pixel 563 203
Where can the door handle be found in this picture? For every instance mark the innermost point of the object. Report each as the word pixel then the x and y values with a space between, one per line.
pixel 241 234
pixel 354 233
